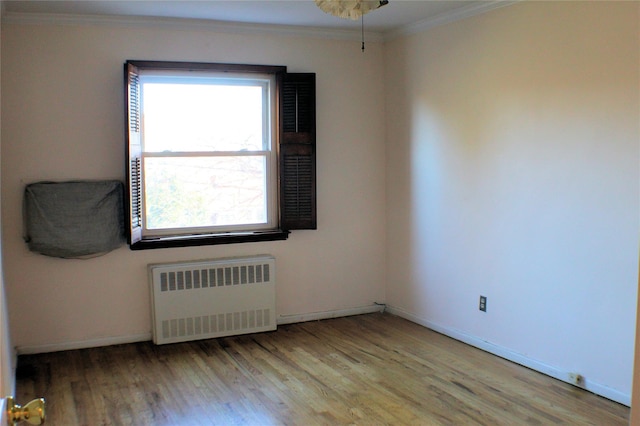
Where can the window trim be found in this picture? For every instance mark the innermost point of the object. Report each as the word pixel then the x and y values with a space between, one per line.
pixel 289 144
pixel 209 239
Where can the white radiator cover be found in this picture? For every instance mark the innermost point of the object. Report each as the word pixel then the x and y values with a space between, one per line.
pixel 212 298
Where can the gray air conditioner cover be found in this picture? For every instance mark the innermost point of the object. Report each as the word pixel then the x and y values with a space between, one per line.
pixel 74 219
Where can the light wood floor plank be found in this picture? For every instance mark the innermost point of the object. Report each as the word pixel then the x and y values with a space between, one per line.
pixel 373 369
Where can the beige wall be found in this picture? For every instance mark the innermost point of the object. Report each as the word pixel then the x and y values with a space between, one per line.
pixel 512 172
pixel 63 115
pixel 7 362
pixel 635 394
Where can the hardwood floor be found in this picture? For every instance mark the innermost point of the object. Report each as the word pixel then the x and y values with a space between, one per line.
pixel 370 369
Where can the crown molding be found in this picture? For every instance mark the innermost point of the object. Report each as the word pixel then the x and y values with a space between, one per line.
pixel 247 28
pixel 448 17
pixel 187 24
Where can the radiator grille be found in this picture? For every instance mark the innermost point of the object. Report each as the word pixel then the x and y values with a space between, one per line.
pixel 214 298
pixel 229 323
pixel 212 276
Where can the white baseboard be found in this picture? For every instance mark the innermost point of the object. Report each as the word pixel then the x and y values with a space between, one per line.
pixel 314 316
pixel 512 356
pixel 82 344
pixel 119 340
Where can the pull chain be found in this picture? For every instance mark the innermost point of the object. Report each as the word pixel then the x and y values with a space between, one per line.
pixel 362 33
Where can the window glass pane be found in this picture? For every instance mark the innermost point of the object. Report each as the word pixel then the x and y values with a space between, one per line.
pixel 202 117
pixel 205 191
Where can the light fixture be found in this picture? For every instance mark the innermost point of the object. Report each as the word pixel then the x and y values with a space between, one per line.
pixel 350 9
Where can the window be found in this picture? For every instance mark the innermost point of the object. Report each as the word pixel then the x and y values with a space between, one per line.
pixel 218 153
pixel 207 156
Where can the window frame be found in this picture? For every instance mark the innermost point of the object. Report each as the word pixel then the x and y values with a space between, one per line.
pixel 294 149
pixel 267 83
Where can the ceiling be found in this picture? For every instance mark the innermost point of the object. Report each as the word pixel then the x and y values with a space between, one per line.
pixel 398 14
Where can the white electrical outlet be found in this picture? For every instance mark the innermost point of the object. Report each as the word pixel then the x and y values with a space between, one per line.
pixel 576 379
pixel 483 304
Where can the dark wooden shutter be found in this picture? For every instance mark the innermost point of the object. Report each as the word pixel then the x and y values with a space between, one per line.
pixel 297 151
pixel 133 198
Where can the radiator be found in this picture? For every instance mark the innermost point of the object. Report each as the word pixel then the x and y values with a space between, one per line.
pixel 213 298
